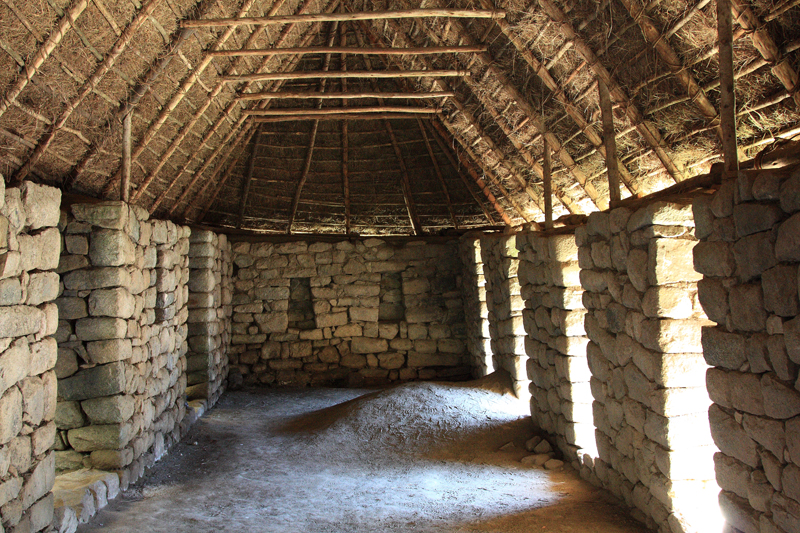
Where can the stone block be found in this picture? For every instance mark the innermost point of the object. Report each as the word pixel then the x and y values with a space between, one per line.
pixel 348 330
pixel 723 349
pixel 116 302
pixel 41 203
pixel 753 255
pixel 14 364
pixel 110 215
pixel 21 320
pixel 99 278
pixel 747 307
pixel 95 382
pixel 327 320
pixel 787 244
pixel 714 258
pixel 92 329
pixel 42 287
pixel 391 360
pixel 661 213
pixel 779 286
pixel 419 360
pixel 637 269
pixel 752 218
pixel 69 415
pixel 99 437
pixel 109 351
pixel 713 297
pixel 109 410
pixel 111 248
pixel 10 414
pixel 272 322
pixel 40 481
pixel 365 314
pixel 780 400
pixel 671 261
pixel 731 438
pixel 10 292
pixel 562 248
pixel 667 302
pixel 364 345
pixel 671 336
pixel 71 308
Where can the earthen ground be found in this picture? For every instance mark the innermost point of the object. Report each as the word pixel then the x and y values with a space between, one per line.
pixel 420 457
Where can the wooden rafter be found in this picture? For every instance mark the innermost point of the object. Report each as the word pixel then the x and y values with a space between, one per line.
pixel 248 179
pixel 766 46
pixel 674 62
pixel 478 181
pixel 607 113
pixel 560 94
pixel 438 173
pixel 344 17
pixel 223 118
pixel 345 140
pixel 304 111
pixel 100 71
pixel 405 181
pixel 727 97
pixel 33 65
pixel 650 134
pixel 310 95
pixel 347 50
pixel 340 116
pixel 125 186
pixel 547 182
pixel 521 101
pixel 311 75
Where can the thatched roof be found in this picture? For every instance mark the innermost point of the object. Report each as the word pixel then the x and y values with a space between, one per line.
pixel 71 69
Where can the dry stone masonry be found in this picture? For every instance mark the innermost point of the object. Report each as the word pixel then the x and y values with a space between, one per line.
pixel 561 402
pixel 645 355
pixel 210 310
pixel 29 250
pixel 748 255
pixel 122 338
pixel 500 266
pixel 361 311
pixel 476 309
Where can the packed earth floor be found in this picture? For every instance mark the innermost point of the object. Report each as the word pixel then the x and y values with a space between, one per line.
pixel 420 457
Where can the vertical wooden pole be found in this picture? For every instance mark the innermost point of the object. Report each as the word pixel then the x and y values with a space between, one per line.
pixel 248 179
pixel 547 185
pixel 610 142
pixel 727 98
pixel 345 146
pixel 125 185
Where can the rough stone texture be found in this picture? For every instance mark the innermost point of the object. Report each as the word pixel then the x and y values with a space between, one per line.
pixel 125 297
pixel 351 312
pixel 556 343
pixel 476 308
pixel 29 246
pixel 754 349
pixel 210 311
pixel 646 380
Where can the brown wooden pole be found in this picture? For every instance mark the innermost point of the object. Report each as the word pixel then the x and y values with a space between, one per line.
pixel 345 141
pixel 125 186
pixel 547 186
pixel 339 116
pixel 299 75
pixel 349 50
pixel 288 112
pixel 343 17
pixel 610 141
pixel 311 95
pixel 438 173
pixel 727 98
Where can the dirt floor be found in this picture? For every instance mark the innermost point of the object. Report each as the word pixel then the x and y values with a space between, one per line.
pixel 420 457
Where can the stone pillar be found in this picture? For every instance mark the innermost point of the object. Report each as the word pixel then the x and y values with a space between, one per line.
pixel 561 402
pixel 500 265
pixel 748 255
pixel 644 321
pixel 209 315
pixel 29 248
pixel 122 338
pixel 476 310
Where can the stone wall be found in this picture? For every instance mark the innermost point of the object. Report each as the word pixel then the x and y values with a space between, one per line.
pixel 749 254
pixel 561 402
pixel 500 265
pixel 210 296
pixel 122 338
pixel 350 312
pixel 476 309
pixel 29 249
pixel 645 355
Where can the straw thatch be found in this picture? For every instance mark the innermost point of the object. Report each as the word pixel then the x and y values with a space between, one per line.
pixel 70 70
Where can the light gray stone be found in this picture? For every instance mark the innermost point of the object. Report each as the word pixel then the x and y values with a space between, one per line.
pixel 99 437
pixel 93 329
pixel 42 205
pixel 109 351
pixel 96 382
pixel 109 410
pixel 69 415
pixel 364 345
pixel 110 215
pixel 117 302
pixel 21 320
pixel 111 248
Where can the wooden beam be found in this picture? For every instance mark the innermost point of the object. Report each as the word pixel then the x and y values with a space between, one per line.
pixel 88 87
pixel 125 186
pixel 33 65
pixel 438 173
pixel 766 46
pixel 607 112
pixel 348 50
pixel 727 97
pixel 345 141
pixel 405 181
pixel 304 75
pixel 341 116
pixel 303 177
pixel 248 179
pixel 649 132
pixel 289 112
pixel 310 95
pixel 340 17
pixel 548 186
pixel 479 182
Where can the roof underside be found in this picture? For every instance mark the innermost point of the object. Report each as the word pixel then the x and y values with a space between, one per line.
pixel 70 70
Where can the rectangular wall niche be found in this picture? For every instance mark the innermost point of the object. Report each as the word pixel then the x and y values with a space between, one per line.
pixel 301 308
pixel 391 297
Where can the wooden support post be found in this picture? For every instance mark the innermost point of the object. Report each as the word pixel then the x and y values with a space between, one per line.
pixel 547 185
pixel 727 98
pixel 339 116
pixel 610 141
pixel 345 143
pixel 304 111
pixel 125 186
pixel 438 173
pixel 341 17
pixel 248 179
pixel 313 95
